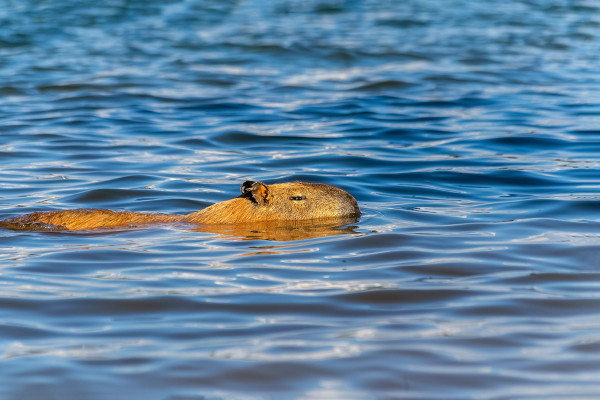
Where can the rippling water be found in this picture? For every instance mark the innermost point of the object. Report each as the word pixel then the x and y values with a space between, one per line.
pixel 468 131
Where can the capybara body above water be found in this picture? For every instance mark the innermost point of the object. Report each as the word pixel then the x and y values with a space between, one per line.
pixel 281 202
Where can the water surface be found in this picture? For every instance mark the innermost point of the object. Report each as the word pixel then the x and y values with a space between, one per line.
pixel 467 131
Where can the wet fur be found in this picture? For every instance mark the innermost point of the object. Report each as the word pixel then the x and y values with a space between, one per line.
pixel 292 201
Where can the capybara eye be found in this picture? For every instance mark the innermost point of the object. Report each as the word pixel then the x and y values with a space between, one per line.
pixel 296 198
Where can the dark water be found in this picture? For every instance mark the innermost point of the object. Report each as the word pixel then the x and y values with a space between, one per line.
pixel 469 132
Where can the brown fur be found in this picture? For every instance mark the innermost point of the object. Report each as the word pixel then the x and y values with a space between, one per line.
pixel 283 202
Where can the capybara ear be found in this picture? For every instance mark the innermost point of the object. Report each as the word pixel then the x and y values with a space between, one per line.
pixel 257 191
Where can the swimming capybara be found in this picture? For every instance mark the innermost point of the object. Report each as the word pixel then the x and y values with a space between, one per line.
pixel 281 202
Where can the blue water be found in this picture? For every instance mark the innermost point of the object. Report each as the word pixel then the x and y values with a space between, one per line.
pixel 468 131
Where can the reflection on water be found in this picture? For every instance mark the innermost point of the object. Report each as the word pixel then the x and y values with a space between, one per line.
pixel 284 232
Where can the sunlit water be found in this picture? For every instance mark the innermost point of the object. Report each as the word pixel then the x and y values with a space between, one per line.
pixel 467 130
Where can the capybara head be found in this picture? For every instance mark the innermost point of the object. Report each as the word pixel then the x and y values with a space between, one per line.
pixel 292 201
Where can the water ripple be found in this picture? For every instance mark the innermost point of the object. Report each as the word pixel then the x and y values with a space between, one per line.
pixel 468 132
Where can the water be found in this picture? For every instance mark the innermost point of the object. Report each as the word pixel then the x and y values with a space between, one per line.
pixel 468 132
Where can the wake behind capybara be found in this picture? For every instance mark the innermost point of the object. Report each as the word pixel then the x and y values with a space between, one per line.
pixel 281 202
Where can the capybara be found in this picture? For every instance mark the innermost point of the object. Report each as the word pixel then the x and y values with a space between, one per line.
pixel 281 202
